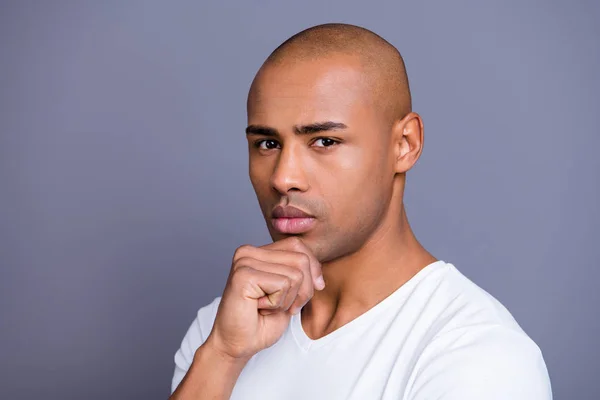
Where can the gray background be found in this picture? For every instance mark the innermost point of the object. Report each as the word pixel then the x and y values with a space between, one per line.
pixel 124 187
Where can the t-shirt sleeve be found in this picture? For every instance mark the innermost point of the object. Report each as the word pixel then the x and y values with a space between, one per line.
pixel 194 338
pixel 492 363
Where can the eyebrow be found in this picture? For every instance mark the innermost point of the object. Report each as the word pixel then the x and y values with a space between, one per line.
pixel 298 130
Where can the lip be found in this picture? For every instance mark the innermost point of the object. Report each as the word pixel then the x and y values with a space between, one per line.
pixel 291 220
pixel 293 225
pixel 289 212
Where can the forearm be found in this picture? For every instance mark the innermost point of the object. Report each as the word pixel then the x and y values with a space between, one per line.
pixel 211 376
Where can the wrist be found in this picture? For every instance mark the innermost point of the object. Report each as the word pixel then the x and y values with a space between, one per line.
pixel 212 375
pixel 210 349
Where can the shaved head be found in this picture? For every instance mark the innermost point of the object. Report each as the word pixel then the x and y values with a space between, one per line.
pixel 331 132
pixel 381 63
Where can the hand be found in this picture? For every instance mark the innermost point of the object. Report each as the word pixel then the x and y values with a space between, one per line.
pixel 266 285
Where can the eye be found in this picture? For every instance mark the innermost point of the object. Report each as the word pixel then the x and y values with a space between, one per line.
pixel 266 144
pixel 325 142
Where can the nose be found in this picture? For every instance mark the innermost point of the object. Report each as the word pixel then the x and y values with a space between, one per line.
pixel 289 172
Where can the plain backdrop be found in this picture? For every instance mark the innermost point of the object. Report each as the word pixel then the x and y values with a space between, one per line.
pixel 124 187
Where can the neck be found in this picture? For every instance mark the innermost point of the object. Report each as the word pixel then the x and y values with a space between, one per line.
pixel 359 281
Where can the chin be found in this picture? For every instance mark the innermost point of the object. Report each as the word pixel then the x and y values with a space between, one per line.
pixel 308 238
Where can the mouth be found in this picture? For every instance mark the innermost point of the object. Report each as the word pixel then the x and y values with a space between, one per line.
pixel 291 220
pixel 292 225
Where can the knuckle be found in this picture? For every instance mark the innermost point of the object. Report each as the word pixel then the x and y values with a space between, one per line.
pixel 306 295
pixel 297 276
pixel 303 260
pixel 296 243
pixel 242 273
pixel 286 283
pixel 301 299
pixel 241 263
pixel 243 277
pixel 241 251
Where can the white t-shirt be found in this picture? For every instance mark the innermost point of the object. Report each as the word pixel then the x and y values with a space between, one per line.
pixel 439 336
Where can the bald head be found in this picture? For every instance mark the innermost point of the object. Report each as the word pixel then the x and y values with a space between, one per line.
pixel 331 132
pixel 382 67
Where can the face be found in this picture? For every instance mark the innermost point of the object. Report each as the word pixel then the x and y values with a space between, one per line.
pixel 318 143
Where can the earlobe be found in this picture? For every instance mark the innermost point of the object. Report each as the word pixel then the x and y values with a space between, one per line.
pixel 408 141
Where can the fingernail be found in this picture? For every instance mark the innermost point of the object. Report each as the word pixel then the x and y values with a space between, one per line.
pixel 320 283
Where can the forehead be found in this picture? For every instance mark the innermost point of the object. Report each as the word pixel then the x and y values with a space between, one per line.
pixel 307 91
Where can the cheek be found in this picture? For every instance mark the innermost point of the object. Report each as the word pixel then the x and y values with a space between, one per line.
pixel 359 185
pixel 259 175
pixel 362 170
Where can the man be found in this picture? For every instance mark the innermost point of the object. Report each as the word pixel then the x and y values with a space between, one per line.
pixel 346 303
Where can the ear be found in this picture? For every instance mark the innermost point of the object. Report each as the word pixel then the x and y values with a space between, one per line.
pixel 407 137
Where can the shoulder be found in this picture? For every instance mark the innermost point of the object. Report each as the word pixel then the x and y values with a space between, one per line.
pixel 487 361
pixel 195 336
pixel 476 349
pixel 452 301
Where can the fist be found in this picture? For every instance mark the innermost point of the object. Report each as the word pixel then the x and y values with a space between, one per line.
pixel 266 285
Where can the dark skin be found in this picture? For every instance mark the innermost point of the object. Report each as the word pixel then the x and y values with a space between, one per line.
pixel 330 132
pixel 350 178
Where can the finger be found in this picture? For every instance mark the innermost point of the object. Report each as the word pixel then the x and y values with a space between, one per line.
pixel 296 244
pixel 254 284
pixel 295 276
pixel 297 259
